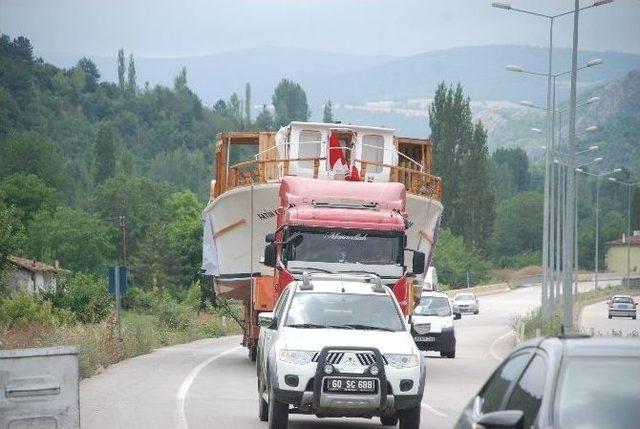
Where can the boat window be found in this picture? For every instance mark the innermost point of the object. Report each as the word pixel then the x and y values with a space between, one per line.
pixel 373 151
pixel 309 147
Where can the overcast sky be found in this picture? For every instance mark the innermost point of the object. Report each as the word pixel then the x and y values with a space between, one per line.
pixel 389 27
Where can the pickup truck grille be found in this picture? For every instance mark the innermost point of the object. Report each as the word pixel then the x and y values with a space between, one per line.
pixel 365 358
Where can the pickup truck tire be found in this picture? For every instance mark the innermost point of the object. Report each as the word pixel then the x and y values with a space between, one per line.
pixel 410 418
pixel 389 420
pixel 263 406
pixel 278 413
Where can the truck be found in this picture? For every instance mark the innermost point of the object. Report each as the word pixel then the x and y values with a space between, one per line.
pixel 295 206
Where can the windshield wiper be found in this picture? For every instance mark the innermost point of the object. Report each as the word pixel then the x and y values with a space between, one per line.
pixel 340 326
pixel 358 272
pixel 322 270
pixel 306 325
pixel 369 327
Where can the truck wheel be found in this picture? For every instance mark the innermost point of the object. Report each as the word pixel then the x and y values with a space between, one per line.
pixel 389 420
pixel 263 406
pixel 253 353
pixel 410 418
pixel 610 317
pixel 278 413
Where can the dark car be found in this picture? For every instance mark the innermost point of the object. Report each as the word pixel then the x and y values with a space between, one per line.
pixel 561 382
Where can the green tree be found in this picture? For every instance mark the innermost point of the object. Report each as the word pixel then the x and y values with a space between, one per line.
pixel 11 239
pixel 92 75
pixel 290 103
pixel 105 154
pixel 247 104
pixel 78 240
pixel 453 259
pixel 121 69
pixel 132 85
pixel 28 194
pixel 30 153
pixel 327 114
pixel 183 168
pixel 180 81
pixel 476 193
pixel 234 108
pixel 510 171
pixel 264 121
pixel 451 132
pixel 518 225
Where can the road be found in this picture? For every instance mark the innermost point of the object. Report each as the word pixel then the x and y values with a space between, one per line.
pixel 594 317
pixel 211 383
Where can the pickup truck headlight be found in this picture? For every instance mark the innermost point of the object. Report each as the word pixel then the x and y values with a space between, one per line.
pixel 403 361
pixel 299 357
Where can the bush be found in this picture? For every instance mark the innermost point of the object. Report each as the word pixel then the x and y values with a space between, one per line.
pixel 86 296
pixel 171 314
pixel 141 300
pixel 23 309
pixel 524 259
pixel 453 259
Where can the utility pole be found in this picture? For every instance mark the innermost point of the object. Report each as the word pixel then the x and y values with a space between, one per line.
pixel 123 240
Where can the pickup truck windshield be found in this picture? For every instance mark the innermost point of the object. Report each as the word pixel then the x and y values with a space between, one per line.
pixel 348 246
pixel 344 310
pixel 433 306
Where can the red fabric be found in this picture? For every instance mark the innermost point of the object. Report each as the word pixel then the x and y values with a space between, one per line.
pixel 401 291
pixel 353 175
pixel 336 152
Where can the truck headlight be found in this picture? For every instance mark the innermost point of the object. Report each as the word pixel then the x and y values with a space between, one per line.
pixel 299 357
pixel 403 361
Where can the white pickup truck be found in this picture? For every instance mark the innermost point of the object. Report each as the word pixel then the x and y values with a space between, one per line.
pixel 338 346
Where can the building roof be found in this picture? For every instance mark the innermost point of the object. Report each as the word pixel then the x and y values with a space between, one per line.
pixel 634 240
pixel 35 266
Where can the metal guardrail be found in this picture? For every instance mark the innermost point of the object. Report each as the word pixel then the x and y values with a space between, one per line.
pixel 39 388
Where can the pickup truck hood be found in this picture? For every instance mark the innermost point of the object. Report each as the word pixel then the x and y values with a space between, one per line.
pixel 316 339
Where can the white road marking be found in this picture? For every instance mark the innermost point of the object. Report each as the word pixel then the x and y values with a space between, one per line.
pixel 181 396
pixel 496 341
pixel 433 410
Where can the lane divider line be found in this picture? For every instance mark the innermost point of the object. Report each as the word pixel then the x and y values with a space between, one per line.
pixel 495 355
pixel 433 410
pixel 181 395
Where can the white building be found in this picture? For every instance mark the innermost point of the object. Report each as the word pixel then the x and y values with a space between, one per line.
pixel 32 276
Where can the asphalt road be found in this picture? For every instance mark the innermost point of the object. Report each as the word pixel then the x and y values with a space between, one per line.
pixel 595 319
pixel 212 384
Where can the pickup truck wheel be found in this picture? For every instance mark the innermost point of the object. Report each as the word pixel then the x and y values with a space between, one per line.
pixel 389 420
pixel 450 355
pixel 278 413
pixel 263 406
pixel 610 317
pixel 410 418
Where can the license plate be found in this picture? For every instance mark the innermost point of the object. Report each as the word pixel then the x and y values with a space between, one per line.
pixel 424 339
pixel 351 385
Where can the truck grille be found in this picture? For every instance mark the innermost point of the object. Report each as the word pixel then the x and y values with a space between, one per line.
pixel 365 358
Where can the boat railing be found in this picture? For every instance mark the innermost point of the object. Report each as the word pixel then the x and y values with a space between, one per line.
pixel 272 170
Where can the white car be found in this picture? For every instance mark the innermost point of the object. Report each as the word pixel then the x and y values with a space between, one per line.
pixel 432 324
pixel 622 306
pixel 466 303
pixel 338 346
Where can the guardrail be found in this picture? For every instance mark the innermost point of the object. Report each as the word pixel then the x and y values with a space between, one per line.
pixel 480 290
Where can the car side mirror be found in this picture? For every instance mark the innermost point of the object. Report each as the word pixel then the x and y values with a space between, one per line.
pixel 418 262
pixel 507 419
pixel 457 316
pixel 270 255
pixel 266 319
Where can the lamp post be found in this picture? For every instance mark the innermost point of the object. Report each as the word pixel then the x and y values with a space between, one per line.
pixel 629 186
pixel 597 176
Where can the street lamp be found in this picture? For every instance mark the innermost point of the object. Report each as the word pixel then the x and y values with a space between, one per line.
pixel 596 258
pixel 629 186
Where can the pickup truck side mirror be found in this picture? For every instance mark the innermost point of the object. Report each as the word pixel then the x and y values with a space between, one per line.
pixel 270 255
pixel 507 419
pixel 266 319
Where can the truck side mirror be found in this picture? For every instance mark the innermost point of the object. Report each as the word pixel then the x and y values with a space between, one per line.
pixel 270 255
pixel 505 419
pixel 418 262
pixel 270 237
pixel 457 316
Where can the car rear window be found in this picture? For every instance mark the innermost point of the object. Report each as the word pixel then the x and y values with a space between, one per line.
pixel 466 297
pixel 595 393
pixel 622 300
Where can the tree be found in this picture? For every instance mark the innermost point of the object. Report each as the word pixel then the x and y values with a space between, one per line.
pixel 510 171
pixel 247 104
pixel 121 69
pixel 290 103
pixel 327 114
pixel 92 75
pixel 28 194
pixel 30 153
pixel 105 152
pixel 234 108
pixel 451 132
pixel 476 202
pixel 518 225
pixel 453 259
pixel 264 121
pixel 180 81
pixel 11 238
pixel 131 76
pixel 78 240
pixel 220 107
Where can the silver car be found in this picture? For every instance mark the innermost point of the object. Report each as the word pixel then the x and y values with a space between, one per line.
pixel 466 303
pixel 622 306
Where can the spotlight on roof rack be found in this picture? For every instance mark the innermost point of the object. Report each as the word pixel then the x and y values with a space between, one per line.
pixel 377 285
pixel 306 281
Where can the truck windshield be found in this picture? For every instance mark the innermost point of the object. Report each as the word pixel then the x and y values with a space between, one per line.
pixel 433 306
pixel 343 310
pixel 348 246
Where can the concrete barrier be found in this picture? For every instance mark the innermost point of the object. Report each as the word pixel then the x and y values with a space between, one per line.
pixel 480 290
